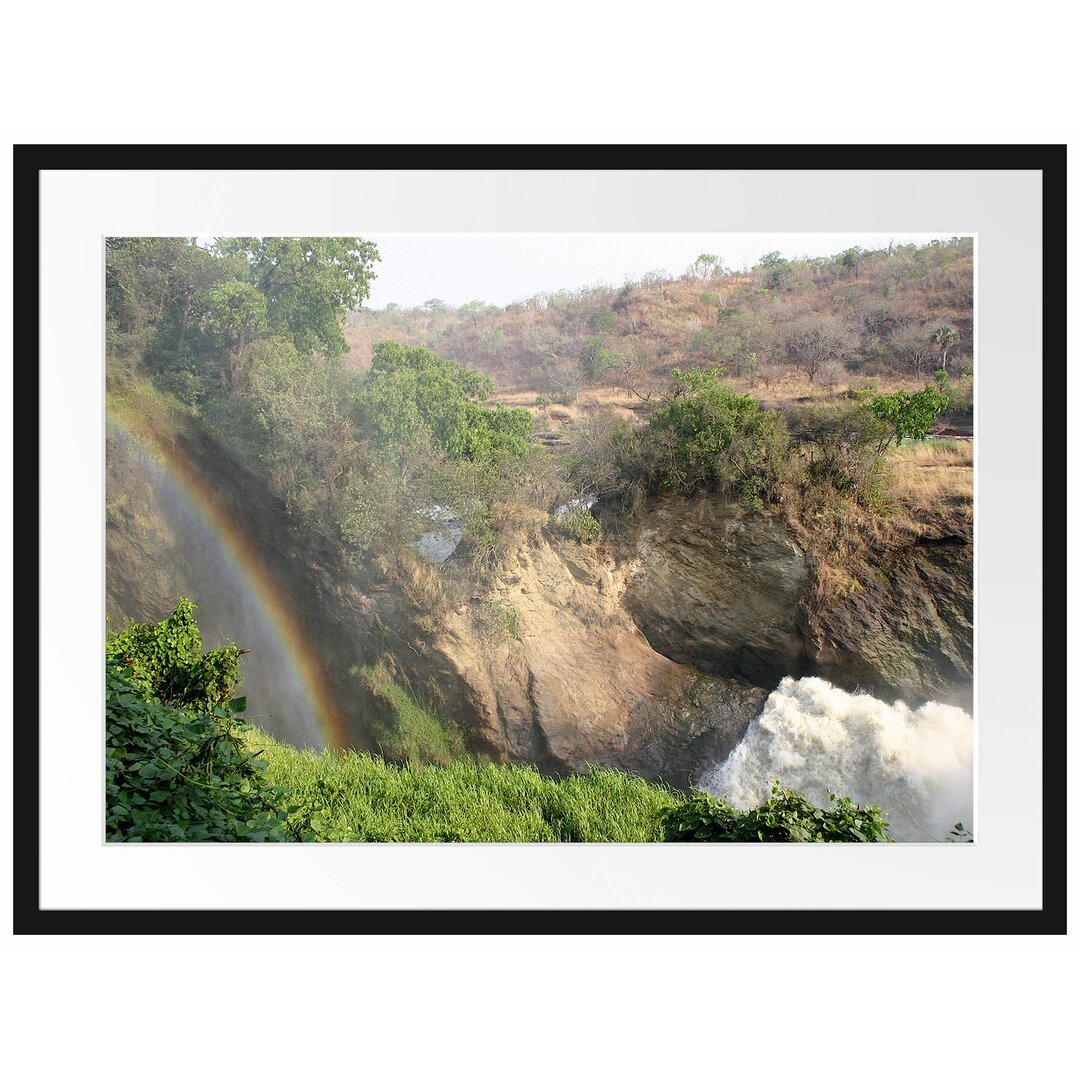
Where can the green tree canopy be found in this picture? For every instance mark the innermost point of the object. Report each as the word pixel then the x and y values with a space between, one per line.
pixel 412 394
pixel 708 435
pixel 309 283
pixel 945 337
pixel 910 415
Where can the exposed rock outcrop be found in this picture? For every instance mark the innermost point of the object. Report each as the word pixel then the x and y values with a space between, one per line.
pixel 715 587
pixel 906 631
pixel 579 682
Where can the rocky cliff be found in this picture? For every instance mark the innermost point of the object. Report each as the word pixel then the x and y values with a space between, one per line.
pixel 651 651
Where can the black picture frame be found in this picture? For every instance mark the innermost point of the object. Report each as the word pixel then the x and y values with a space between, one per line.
pixel 31 918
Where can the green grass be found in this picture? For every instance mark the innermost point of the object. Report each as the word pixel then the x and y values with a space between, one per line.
pixel 357 796
pixel 914 445
pixel 403 728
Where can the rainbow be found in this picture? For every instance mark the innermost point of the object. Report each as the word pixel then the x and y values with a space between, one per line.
pixel 219 523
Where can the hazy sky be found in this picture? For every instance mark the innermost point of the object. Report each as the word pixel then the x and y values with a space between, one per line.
pixel 501 267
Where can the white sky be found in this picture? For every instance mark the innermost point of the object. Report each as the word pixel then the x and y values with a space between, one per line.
pixel 502 267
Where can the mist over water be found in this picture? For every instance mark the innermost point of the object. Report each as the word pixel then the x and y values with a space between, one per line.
pixel 916 764
pixel 228 610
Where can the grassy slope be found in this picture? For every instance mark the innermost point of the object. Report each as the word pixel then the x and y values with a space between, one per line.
pixel 366 798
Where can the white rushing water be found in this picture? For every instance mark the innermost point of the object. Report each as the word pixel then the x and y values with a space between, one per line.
pixel 439 543
pixel 916 764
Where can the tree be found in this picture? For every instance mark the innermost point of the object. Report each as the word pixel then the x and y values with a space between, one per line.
pixel 494 341
pixel 656 279
pixel 945 337
pixel 301 413
pixel 775 267
pixel 309 283
pixel 910 415
pixel 196 270
pixel 632 366
pixel 706 266
pixel 412 394
pixel 843 447
pixel 562 376
pixel 915 343
pixel 147 276
pixel 473 310
pixel 811 341
pixel 850 259
pixel 603 321
pixel 708 435
pixel 236 311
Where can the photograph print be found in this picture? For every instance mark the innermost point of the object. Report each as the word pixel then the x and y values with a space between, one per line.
pixel 535 538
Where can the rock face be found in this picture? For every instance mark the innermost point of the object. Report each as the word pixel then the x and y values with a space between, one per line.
pixel 716 588
pixel 580 683
pixel 725 592
pixel 907 631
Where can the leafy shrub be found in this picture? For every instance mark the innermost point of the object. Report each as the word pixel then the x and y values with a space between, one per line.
pixel 579 523
pixel 784 816
pixel 910 415
pixel 176 767
pixel 959 394
pixel 166 662
pixel 843 447
pixel 708 436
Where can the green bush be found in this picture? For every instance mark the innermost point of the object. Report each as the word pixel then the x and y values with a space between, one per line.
pixel 176 767
pixel 785 816
pixel 959 394
pixel 166 662
pixel 910 415
pixel 580 524
pixel 843 448
pixel 708 436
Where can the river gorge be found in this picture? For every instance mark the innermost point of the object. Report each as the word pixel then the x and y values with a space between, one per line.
pixel 682 647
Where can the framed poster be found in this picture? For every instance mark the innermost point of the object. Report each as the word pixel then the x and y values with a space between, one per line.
pixel 795 258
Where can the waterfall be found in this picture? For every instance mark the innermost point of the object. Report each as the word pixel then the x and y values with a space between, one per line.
pixel 916 764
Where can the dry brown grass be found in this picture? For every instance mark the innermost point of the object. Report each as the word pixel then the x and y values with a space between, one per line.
pixel 930 493
pixel 934 483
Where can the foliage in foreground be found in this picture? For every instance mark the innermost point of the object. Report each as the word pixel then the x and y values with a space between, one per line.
pixel 181 765
pixel 784 816
pixel 165 660
pixel 176 767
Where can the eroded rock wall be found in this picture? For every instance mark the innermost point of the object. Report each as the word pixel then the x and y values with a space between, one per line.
pixel 651 651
